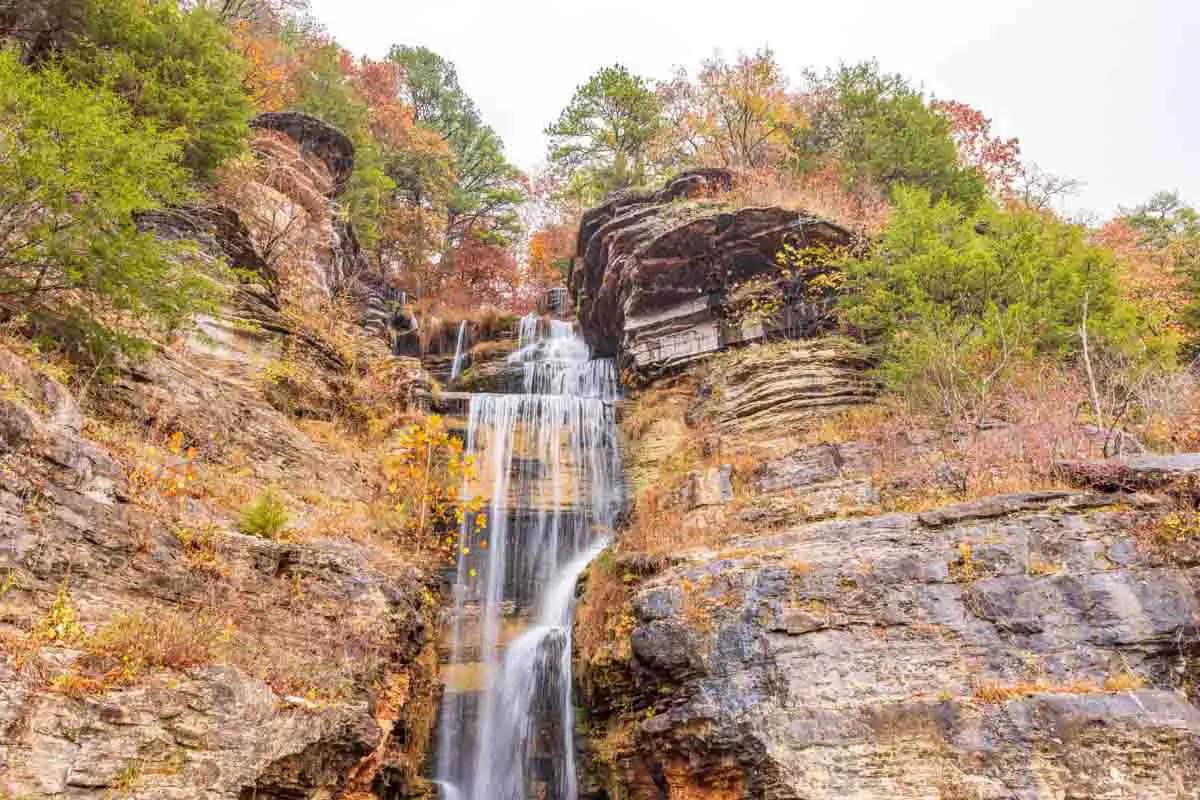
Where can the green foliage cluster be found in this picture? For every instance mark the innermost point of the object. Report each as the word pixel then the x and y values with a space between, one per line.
pixel 960 299
pixel 487 189
pixel 881 131
pixel 602 138
pixel 174 68
pixel 75 166
pixel 266 516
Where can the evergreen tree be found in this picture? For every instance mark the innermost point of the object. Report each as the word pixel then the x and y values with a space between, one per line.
pixel 602 138
pixel 75 167
pixel 880 131
pixel 173 67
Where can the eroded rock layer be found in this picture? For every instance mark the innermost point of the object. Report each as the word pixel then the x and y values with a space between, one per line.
pixel 1023 646
pixel 655 271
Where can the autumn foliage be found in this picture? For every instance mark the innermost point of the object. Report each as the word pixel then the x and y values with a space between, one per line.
pixel 426 479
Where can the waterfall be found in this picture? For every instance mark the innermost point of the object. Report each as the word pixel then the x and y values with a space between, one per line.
pixel 459 355
pixel 549 472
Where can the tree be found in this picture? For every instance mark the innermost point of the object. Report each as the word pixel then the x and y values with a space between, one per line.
pixel 323 88
pixel 418 162
pixel 229 11
pixel 1168 238
pixel 998 160
pixel 551 249
pixel 175 68
pixel 75 166
pixel 737 114
pixel 603 136
pixel 879 130
pixel 1163 218
pixel 488 189
pixel 1037 189
pixel 959 299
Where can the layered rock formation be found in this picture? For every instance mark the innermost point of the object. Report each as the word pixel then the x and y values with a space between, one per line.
pixel 151 650
pixel 655 271
pixel 330 615
pixel 1024 646
pixel 762 630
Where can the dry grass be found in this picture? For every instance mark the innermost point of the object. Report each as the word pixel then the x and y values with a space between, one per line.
pixel 923 460
pixel 163 638
pixel 1037 567
pixel 996 693
pixel 821 193
pixel 1126 681
pixel 603 618
pixel 440 322
pixel 492 349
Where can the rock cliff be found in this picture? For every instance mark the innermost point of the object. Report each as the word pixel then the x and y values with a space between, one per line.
pixel 655 272
pixel 762 629
pixel 1024 646
pixel 151 649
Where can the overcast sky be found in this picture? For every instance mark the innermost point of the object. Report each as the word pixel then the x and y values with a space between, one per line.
pixel 1099 90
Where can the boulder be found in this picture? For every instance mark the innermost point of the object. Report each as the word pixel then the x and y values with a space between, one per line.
pixel 654 272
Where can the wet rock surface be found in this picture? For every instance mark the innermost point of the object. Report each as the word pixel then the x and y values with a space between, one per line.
pixel 1021 646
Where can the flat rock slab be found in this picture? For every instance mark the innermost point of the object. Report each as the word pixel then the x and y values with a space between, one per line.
pixel 1175 473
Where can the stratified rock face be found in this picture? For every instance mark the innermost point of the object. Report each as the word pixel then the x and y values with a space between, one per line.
pixel 1018 647
pixel 315 137
pixel 324 613
pixel 776 389
pixel 654 271
pixel 218 230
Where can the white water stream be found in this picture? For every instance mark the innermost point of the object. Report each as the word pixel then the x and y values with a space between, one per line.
pixel 550 471
pixel 459 355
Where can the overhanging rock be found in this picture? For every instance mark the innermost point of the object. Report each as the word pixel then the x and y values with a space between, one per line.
pixel 655 273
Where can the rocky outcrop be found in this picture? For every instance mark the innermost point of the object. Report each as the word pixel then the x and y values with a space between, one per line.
pixel 288 667
pixel 779 388
pixel 317 138
pixel 1024 646
pixel 655 272
pixel 216 229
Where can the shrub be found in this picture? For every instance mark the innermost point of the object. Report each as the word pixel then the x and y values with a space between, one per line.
pixel 425 481
pixel 959 300
pixel 75 166
pixel 266 516
pixel 175 68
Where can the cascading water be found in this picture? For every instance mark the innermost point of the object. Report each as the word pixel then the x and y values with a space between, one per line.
pixel 550 472
pixel 459 355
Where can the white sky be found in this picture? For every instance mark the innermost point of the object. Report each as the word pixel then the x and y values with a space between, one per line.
pixel 1100 90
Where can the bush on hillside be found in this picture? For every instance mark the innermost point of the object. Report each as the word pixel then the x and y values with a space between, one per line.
pixel 175 68
pixel 266 516
pixel 75 166
pixel 959 300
